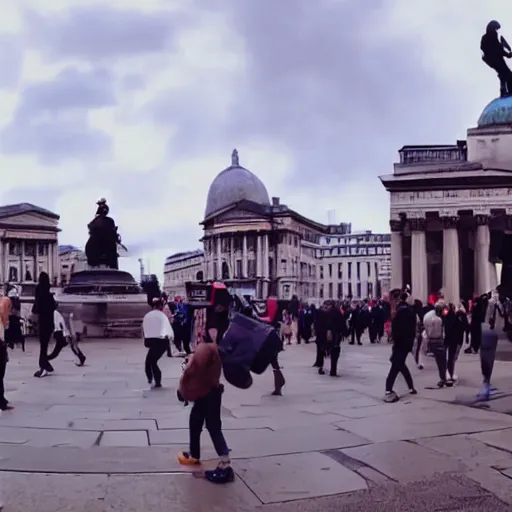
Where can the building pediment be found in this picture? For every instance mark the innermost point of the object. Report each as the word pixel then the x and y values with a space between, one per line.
pixel 30 221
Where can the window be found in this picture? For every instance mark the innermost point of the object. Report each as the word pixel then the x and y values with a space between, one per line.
pixel 251 268
pixel 43 249
pixel 330 290
pixel 376 266
pixel 358 272
pixel 340 290
pixel 283 267
pixel 368 269
pixel 350 271
pixel 370 290
pixel 350 290
pixel 330 272
pixel 321 292
pixel 30 249
pixel 321 271
pixel 14 249
pixel 359 290
pixel 238 268
pixel 340 270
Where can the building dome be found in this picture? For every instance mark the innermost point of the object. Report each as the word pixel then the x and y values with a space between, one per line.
pixel 235 184
pixel 499 111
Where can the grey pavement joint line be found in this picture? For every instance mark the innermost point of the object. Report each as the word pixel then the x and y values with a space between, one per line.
pixel 355 465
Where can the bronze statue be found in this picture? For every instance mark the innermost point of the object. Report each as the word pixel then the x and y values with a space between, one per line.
pixel 494 50
pixel 101 248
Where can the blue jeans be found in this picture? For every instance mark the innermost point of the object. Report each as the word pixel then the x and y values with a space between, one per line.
pixel 206 411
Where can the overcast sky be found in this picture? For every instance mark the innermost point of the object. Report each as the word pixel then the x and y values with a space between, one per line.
pixel 143 105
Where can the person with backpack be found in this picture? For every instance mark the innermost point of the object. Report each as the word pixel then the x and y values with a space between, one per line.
pixel 200 383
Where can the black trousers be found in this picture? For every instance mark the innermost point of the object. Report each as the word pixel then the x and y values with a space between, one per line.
pixel 60 343
pixel 476 336
pixel 398 358
pixel 453 351
pixel 437 348
pixel 487 357
pixel 44 340
pixel 3 366
pixel 206 411
pixel 156 349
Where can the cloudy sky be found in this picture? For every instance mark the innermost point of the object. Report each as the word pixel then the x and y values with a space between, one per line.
pixel 143 105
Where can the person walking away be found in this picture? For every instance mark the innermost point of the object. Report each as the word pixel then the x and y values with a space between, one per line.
pixel 5 309
pixel 487 356
pixel 417 352
pixel 158 333
pixel 200 383
pixel 478 310
pixel 462 327
pixel 403 331
pixel 453 338
pixel 321 340
pixel 434 332
pixel 63 337
pixel 44 306
pixel 336 325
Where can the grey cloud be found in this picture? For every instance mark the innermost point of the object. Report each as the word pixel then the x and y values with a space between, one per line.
pixel 70 89
pixel 51 118
pixel 11 59
pixel 319 83
pixel 54 140
pixel 99 33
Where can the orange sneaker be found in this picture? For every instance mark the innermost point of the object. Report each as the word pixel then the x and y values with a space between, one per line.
pixel 185 459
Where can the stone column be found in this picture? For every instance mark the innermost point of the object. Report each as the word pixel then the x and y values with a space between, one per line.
pixel 482 265
pixel 6 261
pixel 36 262
pixel 56 262
pixel 50 261
pixel 244 257
pixel 451 270
pixel 266 256
pixel 259 272
pixel 232 258
pixel 3 277
pixel 219 258
pixel 396 254
pixel 419 279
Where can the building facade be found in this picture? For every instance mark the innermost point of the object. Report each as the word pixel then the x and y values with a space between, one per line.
pixel 28 245
pixel 71 260
pixel 260 247
pixel 181 268
pixel 451 210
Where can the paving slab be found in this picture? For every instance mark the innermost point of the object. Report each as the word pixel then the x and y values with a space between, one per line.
pixel 497 482
pixel 499 438
pixel 468 449
pixel 124 438
pixel 297 476
pixel 395 460
pixel 125 424
pixel 97 493
pixel 442 420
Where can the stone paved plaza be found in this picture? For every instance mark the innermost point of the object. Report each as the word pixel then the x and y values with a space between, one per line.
pixel 95 438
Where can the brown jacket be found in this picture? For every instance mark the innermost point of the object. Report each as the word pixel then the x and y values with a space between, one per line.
pixel 202 372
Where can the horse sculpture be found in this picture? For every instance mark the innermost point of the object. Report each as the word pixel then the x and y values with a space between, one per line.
pixel 101 248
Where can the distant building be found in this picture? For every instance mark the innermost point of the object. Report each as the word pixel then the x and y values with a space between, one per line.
pixel 28 245
pixel 72 259
pixel 181 268
pixel 260 248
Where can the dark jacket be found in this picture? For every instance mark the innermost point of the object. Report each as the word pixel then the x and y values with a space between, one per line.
pixel 454 328
pixel 44 305
pixel 403 327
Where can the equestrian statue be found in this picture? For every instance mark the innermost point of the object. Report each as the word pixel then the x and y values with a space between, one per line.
pixel 101 248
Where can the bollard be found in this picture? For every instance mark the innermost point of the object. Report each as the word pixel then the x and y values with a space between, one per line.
pixel 487 357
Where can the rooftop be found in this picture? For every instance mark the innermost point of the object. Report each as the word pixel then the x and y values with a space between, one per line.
pixel 20 208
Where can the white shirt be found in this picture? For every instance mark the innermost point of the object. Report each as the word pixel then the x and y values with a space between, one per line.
pixel 156 325
pixel 59 323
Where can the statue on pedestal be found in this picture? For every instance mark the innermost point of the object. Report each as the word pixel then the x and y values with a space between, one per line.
pixel 101 248
pixel 494 50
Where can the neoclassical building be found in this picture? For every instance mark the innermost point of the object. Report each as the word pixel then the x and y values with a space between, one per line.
pixel 451 210
pixel 258 246
pixel 28 245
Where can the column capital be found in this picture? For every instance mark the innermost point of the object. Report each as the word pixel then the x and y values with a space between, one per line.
pixel 417 224
pixel 482 219
pixel 450 222
pixel 396 226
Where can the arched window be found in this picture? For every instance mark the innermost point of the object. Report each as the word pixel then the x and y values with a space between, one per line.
pixel 225 270
pixel 200 276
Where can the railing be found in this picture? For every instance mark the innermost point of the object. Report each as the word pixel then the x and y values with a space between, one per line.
pixel 418 155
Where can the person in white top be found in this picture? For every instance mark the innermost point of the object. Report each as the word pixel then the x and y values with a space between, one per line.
pixel 158 334
pixel 63 336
